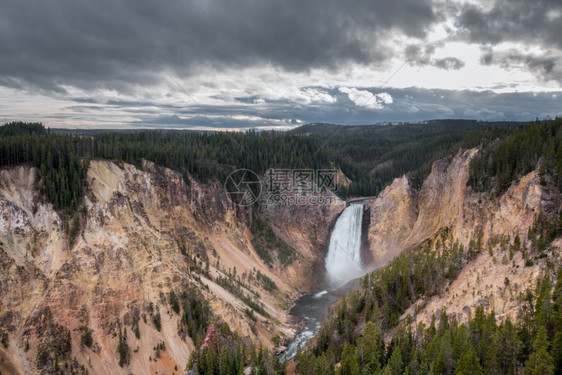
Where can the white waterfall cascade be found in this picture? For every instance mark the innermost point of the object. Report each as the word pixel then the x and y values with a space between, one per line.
pixel 343 262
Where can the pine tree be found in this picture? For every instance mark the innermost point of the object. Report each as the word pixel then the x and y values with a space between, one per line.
pixel 372 347
pixel 349 361
pixel 557 318
pixel 508 348
pixel 394 365
pixel 540 362
pixel 469 364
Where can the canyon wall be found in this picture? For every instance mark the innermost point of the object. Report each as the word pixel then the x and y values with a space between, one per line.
pixel 141 234
pixel 403 220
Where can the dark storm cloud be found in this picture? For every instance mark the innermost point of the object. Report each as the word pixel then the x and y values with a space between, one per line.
pixel 120 43
pixel 535 23
pixel 514 20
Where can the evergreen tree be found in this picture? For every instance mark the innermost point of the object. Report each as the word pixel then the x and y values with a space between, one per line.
pixel 508 348
pixel 394 365
pixel 372 347
pixel 469 364
pixel 557 318
pixel 349 361
pixel 540 362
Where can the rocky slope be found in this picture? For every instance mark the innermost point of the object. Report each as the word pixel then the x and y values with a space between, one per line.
pixel 446 209
pixel 141 234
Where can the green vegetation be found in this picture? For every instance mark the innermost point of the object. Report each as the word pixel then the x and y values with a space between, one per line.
pixel 229 354
pixel 136 328
pixel 62 167
pixel 22 128
pixel 267 243
pixel 174 302
pixel 233 285
pixel 157 321
pixel 196 315
pixel 86 338
pixel 505 160
pixel 63 158
pixel 372 156
pixel 123 348
pixel 55 346
pixel 158 349
pixel 266 282
pixel 481 346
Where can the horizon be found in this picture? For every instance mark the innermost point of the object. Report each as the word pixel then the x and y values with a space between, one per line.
pixel 276 129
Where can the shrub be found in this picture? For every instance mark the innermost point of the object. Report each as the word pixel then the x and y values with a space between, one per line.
pixel 157 321
pixel 86 338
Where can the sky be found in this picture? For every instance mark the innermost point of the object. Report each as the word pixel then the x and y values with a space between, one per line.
pixel 277 64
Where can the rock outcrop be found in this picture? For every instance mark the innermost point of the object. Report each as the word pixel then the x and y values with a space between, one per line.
pixel 141 235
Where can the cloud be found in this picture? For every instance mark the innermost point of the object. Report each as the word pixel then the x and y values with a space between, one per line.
pixel 121 44
pixel 366 99
pixel 529 25
pixel 449 63
pixel 264 63
pixel 407 104
pixel 546 66
pixel 531 22
pixel 422 56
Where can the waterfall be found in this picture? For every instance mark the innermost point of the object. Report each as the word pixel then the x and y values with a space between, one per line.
pixel 343 262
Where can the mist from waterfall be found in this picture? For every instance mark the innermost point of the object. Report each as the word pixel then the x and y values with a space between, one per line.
pixel 343 262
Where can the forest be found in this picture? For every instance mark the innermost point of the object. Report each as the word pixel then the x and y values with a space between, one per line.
pixel 505 160
pixel 381 153
pixel 63 159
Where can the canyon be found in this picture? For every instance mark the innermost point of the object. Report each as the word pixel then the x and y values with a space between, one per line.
pixel 145 232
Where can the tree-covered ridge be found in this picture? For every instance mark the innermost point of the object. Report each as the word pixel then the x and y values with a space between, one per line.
pixel 370 156
pixel 502 161
pixel 226 353
pixel 380 153
pixel 62 161
pixel 63 158
pixel 531 345
pixel 22 128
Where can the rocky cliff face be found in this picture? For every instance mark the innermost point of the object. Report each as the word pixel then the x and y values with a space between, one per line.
pixel 142 234
pixel 304 221
pixel 405 220
pixel 402 218
pixel 393 214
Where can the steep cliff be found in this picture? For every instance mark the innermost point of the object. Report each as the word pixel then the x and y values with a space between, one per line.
pixel 393 214
pixel 110 272
pixel 445 209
